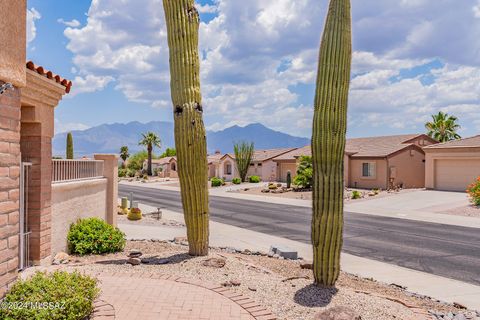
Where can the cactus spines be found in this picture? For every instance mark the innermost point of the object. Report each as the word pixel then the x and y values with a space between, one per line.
pixel 69 151
pixel 289 179
pixel 190 137
pixel 328 142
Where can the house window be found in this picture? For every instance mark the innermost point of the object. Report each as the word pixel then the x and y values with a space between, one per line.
pixel 259 164
pixel 228 169
pixel 368 169
pixel 174 167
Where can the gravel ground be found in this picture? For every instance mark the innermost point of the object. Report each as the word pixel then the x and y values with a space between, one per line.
pixel 280 285
pixel 150 220
pixel 466 211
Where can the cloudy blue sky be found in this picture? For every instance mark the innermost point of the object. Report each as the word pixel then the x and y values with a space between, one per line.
pixel 411 58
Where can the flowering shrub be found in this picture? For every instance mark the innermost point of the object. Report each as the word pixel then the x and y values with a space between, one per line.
pixel 473 191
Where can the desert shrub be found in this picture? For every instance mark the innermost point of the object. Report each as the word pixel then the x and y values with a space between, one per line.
pixel 131 173
pixel 236 180
pixel 254 179
pixel 217 182
pixel 122 172
pixel 94 236
pixel 473 191
pixel 304 177
pixel 135 162
pixel 356 194
pixel 54 296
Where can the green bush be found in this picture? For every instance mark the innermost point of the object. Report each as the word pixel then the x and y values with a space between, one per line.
pixel 254 179
pixel 131 173
pixel 236 180
pixel 217 182
pixel 122 173
pixel 94 236
pixel 304 177
pixel 473 191
pixel 54 296
pixel 135 162
pixel 356 194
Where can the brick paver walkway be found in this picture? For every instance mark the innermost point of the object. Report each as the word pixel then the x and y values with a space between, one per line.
pixel 158 297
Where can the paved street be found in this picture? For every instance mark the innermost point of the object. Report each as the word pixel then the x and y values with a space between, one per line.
pixel 448 251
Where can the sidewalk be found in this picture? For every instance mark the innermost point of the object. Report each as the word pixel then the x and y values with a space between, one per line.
pixel 222 235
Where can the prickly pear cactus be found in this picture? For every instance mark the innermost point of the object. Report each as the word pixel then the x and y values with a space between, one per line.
pixel 190 137
pixel 328 142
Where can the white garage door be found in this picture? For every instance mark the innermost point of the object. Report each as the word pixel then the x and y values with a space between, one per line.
pixel 457 174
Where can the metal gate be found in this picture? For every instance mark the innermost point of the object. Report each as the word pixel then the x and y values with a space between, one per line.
pixel 24 257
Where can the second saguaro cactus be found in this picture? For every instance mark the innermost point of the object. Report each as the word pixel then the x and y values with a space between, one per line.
pixel 69 151
pixel 190 137
pixel 328 142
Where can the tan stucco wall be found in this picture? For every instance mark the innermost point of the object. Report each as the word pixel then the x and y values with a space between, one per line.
pixel 355 172
pixel 13 17
pixel 410 168
pixel 72 201
pixel 222 171
pixel 433 155
pixel 284 167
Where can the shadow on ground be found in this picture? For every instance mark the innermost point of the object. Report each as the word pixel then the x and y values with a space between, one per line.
pixel 152 260
pixel 315 296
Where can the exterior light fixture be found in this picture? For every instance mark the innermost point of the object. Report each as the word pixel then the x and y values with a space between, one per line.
pixel 5 87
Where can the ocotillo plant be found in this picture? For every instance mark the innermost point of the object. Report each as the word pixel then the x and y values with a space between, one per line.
pixel 243 157
pixel 190 137
pixel 69 151
pixel 328 142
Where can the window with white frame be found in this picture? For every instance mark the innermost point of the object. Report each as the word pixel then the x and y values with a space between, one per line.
pixel 368 169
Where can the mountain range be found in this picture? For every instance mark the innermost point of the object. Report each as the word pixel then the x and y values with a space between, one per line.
pixel 108 138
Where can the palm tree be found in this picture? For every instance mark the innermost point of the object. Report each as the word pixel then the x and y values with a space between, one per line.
pixel 150 140
pixel 443 127
pixel 124 154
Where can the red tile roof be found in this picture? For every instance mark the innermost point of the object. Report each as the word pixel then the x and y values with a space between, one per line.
pixel 364 147
pixel 472 142
pixel 263 155
pixel 50 75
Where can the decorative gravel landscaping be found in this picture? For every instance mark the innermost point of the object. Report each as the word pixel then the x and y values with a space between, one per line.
pixel 465 211
pixel 283 286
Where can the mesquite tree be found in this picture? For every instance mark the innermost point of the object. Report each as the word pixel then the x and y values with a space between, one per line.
pixel 69 151
pixel 190 137
pixel 243 157
pixel 328 142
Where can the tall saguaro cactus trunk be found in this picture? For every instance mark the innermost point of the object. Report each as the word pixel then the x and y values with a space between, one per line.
pixel 328 142
pixel 190 136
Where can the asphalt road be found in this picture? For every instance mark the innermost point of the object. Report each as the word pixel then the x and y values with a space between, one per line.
pixel 444 250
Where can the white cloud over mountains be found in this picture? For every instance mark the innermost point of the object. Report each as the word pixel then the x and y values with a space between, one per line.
pixel 259 59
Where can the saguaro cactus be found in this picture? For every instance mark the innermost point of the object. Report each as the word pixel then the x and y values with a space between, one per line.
pixel 289 179
pixel 190 136
pixel 328 142
pixel 69 151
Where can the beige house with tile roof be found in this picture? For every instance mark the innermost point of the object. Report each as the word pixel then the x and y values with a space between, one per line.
pixel 452 166
pixel 167 167
pixel 262 164
pixel 374 162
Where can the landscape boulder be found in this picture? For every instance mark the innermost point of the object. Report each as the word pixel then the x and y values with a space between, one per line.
pixel 337 313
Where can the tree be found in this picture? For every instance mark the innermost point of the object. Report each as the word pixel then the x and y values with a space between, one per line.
pixel 69 151
pixel 443 127
pixel 169 152
pixel 190 136
pixel 304 177
pixel 328 142
pixel 243 157
pixel 124 154
pixel 135 161
pixel 150 140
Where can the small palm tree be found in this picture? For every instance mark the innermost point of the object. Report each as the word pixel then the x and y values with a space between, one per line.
pixel 150 140
pixel 443 127
pixel 124 154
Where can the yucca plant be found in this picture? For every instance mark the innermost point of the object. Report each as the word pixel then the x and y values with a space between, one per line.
pixel 190 137
pixel 328 142
pixel 69 151
pixel 243 157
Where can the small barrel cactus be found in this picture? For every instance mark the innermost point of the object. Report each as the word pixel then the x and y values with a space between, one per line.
pixel 289 179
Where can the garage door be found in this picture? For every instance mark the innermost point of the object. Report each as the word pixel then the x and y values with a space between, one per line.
pixel 456 175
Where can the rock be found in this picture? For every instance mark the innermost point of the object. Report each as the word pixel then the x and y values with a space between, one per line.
pixel 134 261
pixel 285 252
pixel 276 256
pixel 235 283
pixel 262 253
pixel 247 252
pixel 252 288
pixel 337 313
pixel 135 253
pixel 265 190
pixel 306 265
pixel 179 240
pixel 270 254
pixel 230 250
pixel 459 316
pixel 61 258
pixel 214 262
pixel 459 305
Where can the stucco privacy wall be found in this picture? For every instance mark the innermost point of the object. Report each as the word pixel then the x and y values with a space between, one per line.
pixel 13 41
pixel 72 201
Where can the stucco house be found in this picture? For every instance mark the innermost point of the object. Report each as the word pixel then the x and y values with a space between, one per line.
pixel 453 165
pixel 374 162
pixel 213 161
pixel 167 167
pixel 262 164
